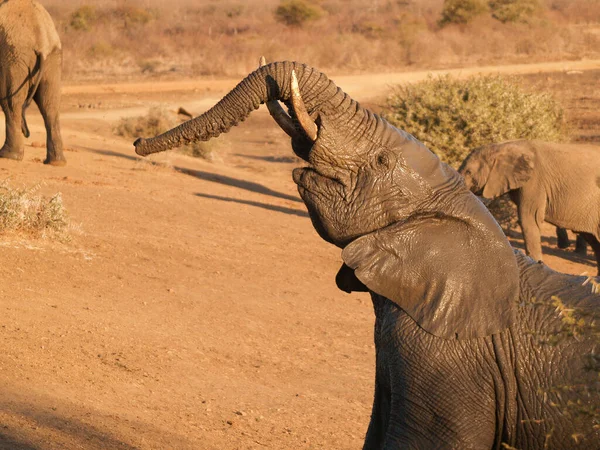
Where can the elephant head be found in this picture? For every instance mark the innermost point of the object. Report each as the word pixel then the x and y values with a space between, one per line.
pixel 409 228
pixel 495 169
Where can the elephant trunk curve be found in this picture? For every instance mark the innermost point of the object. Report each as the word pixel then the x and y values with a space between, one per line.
pixel 269 82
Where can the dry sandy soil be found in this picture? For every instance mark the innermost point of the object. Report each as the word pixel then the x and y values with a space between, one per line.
pixel 195 307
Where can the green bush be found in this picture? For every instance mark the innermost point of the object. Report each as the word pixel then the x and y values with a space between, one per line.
pixel 23 211
pixel 83 18
pixel 453 116
pixel 132 15
pixel 462 11
pixel 513 10
pixel 297 12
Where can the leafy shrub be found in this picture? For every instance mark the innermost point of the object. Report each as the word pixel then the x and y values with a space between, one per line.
pixel 453 116
pixel 22 210
pixel 157 121
pixel 297 12
pixel 513 10
pixel 132 15
pixel 83 18
pixel 461 11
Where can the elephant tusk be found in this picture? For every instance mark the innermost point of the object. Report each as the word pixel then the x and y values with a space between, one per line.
pixel 284 121
pixel 308 125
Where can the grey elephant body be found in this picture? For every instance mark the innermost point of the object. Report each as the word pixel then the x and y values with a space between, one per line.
pixel 492 393
pixel 30 70
pixel 460 358
pixel 556 183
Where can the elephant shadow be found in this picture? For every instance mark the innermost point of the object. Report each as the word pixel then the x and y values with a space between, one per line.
pixel 274 159
pixel 10 443
pixel 267 206
pixel 215 178
pixel 71 429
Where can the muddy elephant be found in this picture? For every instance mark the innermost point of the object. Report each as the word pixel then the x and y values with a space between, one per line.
pixel 556 183
pixel 30 70
pixel 459 362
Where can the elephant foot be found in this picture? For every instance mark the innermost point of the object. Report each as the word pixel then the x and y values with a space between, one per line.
pixel 11 154
pixel 58 162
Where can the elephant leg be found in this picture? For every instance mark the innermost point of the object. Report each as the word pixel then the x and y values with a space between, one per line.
pixel 591 239
pixel 580 245
pixel 562 238
pixel 47 97
pixel 531 219
pixel 380 416
pixel 12 106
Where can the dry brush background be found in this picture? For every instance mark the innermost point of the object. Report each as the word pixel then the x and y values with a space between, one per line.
pixel 133 38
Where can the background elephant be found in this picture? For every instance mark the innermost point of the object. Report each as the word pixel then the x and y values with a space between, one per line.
pixel 456 320
pixel 30 69
pixel 556 183
pixel 562 241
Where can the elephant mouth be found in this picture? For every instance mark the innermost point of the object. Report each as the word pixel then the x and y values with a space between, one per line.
pixel 306 178
pixel 311 180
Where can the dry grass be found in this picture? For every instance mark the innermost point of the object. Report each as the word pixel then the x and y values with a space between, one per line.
pixel 24 211
pixel 157 121
pixel 224 38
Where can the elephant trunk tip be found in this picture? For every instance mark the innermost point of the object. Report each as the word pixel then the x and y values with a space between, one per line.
pixel 141 147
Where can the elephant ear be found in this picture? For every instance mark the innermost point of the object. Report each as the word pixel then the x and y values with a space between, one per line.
pixel 512 167
pixel 456 279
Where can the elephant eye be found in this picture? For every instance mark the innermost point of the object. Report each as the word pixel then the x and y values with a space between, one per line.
pixel 383 159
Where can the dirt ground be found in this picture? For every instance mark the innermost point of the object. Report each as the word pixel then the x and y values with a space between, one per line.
pixel 195 307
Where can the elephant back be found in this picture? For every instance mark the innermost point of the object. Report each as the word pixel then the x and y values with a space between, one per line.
pixel 34 28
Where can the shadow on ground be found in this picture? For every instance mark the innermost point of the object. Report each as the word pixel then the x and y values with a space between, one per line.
pixel 207 176
pixel 273 159
pixel 28 427
pixel 282 209
pixel 7 443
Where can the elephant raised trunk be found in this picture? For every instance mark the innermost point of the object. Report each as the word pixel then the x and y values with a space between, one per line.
pixel 269 82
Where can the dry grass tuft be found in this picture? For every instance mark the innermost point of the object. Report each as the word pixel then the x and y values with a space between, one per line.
pixel 157 121
pixel 24 211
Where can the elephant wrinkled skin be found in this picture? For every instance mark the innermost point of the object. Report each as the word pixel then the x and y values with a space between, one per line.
pixel 460 361
pixel 556 183
pixel 30 69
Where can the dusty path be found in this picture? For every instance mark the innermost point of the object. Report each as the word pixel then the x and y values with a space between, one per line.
pixel 359 86
pixel 195 307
